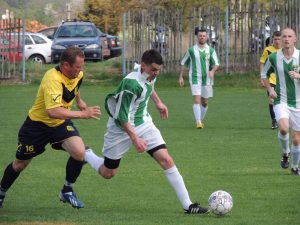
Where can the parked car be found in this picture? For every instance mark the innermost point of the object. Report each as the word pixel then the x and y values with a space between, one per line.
pixel 80 34
pixel 48 32
pixel 113 44
pixel 10 51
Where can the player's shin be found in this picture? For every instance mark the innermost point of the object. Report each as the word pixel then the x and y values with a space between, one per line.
pixel 177 183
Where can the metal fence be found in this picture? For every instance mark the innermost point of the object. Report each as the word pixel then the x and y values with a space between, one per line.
pixel 239 34
pixel 10 49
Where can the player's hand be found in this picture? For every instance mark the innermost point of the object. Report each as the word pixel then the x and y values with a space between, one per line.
pixel 92 112
pixel 140 144
pixel 272 93
pixel 294 74
pixel 262 83
pixel 211 74
pixel 163 110
pixel 181 81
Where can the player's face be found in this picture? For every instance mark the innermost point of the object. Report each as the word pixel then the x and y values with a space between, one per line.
pixel 277 41
pixel 288 38
pixel 151 69
pixel 202 38
pixel 74 70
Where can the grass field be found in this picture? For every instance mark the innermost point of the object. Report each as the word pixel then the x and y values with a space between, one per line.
pixel 237 151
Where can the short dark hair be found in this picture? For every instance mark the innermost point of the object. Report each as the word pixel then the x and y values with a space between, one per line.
pixel 152 56
pixel 69 55
pixel 276 34
pixel 200 29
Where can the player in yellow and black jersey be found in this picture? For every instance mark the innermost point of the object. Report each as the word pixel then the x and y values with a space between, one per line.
pixel 276 45
pixel 49 121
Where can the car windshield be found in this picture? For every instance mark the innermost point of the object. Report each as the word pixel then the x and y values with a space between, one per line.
pixel 76 31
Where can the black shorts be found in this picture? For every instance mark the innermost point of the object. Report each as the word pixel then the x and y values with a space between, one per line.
pixel 34 136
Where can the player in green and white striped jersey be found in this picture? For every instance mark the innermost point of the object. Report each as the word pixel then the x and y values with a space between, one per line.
pixel 130 123
pixel 285 64
pixel 203 63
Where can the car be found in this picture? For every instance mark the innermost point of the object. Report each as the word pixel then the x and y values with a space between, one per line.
pixel 37 47
pixel 9 50
pixel 113 44
pixel 81 34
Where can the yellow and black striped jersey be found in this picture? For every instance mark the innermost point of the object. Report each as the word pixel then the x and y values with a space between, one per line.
pixel 263 59
pixel 56 90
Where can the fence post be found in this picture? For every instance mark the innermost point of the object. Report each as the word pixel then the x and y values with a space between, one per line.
pixel 124 46
pixel 23 49
pixel 226 41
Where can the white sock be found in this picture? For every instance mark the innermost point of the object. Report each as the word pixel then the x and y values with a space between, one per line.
pixel 295 156
pixel 203 111
pixel 91 158
pixel 284 142
pixel 176 181
pixel 197 112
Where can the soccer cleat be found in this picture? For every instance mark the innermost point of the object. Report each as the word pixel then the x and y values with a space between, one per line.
pixel 195 208
pixel 285 161
pixel 274 124
pixel 1 200
pixel 71 198
pixel 295 171
pixel 199 125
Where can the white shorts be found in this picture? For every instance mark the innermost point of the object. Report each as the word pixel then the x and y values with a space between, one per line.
pixel 117 141
pixel 205 91
pixel 292 114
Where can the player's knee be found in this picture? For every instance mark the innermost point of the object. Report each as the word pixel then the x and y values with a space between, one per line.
pixel 204 103
pixel 166 162
pixel 108 174
pixel 19 165
pixel 284 130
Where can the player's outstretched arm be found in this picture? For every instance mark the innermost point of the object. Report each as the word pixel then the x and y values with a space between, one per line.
pixel 92 112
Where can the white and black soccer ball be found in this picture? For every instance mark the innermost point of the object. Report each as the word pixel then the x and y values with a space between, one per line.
pixel 220 202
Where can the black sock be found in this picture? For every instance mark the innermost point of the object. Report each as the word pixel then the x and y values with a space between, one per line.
pixel 73 170
pixel 9 177
pixel 272 114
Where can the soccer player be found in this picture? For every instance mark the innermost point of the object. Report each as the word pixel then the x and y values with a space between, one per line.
pixel 285 64
pixel 48 121
pixel 276 45
pixel 203 63
pixel 130 123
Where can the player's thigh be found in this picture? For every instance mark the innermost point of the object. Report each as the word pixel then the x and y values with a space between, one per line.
pixel 207 91
pixel 32 138
pixel 295 118
pixel 196 89
pixel 116 142
pixel 282 116
pixel 75 147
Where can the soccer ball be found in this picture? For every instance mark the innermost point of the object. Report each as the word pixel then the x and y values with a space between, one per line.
pixel 220 202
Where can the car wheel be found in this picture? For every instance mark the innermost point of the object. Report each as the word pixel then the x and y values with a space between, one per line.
pixel 37 59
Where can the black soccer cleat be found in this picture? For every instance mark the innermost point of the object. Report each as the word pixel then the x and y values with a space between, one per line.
pixel 285 161
pixel 295 171
pixel 195 208
pixel 71 198
pixel 274 125
pixel 1 200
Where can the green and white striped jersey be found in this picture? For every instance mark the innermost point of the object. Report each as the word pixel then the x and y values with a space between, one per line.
pixel 200 61
pixel 129 102
pixel 287 88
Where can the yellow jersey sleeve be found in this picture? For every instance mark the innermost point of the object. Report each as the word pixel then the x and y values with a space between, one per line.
pixel 264 56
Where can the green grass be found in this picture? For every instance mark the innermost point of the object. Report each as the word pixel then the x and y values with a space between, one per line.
pixel 237 151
